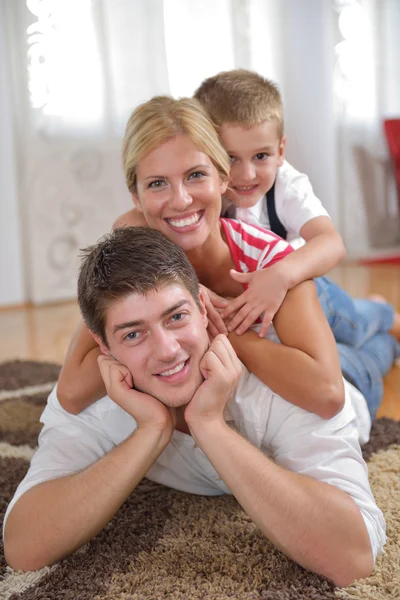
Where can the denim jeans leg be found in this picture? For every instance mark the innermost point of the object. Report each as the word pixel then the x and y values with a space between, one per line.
pixel 353 322
pixel 365 367
pixel 339 310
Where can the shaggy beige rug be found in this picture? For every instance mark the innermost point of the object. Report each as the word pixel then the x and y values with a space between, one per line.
pixel 167 544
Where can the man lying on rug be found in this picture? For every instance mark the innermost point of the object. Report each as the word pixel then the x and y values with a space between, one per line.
pixel 200 423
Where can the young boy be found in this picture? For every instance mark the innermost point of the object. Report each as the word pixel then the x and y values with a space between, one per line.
pixel 265 190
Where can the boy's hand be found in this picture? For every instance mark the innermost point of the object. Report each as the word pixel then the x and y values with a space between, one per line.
pixel 214 303
pixel 221 370
pixel 265 293
pixel 147 411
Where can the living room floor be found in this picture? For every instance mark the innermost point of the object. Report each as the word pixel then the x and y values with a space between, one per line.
pixel 43 332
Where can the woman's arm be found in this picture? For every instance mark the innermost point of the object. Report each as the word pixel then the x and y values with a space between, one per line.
pixel 304 369
pixel 80 382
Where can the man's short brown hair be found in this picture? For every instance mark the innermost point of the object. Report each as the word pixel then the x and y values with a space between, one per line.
pixel 241 97
pixel 131 260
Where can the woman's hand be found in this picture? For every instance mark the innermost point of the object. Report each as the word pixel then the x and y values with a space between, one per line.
pixel 147 411
pixel 265 293
pixel 214 304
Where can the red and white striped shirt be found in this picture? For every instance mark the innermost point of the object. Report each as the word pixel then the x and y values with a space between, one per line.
pixel 253 248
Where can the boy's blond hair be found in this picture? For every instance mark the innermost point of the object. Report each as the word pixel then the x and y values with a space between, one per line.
pixel 241 97
pixel 162 118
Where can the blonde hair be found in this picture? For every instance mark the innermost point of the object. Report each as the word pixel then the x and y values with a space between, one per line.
pixel 162 118
pixel 241 97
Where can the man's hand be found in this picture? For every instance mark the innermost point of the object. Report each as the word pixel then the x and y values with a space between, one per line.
pixel 265 293
pixel 147 411
pixel 214 304
pixel 221 370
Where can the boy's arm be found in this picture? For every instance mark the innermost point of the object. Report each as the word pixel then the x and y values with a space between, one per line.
pixel 323 250
pixel 268 287
pixel 304 369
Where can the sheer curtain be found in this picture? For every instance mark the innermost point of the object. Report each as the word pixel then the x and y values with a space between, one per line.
pixel 73 70
pixel 367 90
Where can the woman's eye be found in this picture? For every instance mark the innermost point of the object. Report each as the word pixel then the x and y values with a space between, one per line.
pixel 261 156
pixel 156 183
pixel 197 175
pixel 232 159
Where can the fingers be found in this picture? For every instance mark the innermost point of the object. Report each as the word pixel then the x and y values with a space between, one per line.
pixel 217 301
pixel 266 322
pixel 223 350
pixel 216 324
pixel 241 277
pixel 234 306
pixel 244 319
pixel 115 375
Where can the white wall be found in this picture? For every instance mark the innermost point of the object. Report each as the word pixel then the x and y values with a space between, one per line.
pixel 11 260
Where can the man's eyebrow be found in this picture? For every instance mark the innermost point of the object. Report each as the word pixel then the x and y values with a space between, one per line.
pixel 139 322
pixel 185 172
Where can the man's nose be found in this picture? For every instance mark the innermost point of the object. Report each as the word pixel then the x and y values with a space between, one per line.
pixel 165 345
pixel 181 198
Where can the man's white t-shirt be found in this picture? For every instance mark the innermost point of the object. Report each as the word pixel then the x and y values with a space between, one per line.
pixel 295 205
pixel 327 450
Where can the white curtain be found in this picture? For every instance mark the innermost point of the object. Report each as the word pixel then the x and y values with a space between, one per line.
pixel 73 70
pixel 367 91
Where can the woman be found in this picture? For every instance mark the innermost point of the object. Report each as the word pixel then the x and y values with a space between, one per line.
pixel 177 171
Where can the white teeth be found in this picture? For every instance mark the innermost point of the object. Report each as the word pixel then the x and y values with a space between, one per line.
pixel 243 188
pixel 184 222
pixel 173 371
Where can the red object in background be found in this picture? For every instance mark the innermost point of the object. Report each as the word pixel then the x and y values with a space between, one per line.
pixel 392 132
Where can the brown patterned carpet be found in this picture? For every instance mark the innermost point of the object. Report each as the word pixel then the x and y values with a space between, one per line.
pixel 168 544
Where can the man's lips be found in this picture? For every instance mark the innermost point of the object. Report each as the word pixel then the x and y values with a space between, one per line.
pixel 176 373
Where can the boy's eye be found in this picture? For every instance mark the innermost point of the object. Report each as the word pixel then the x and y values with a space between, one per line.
pixel 197 175
pixel 261 156
pixel 157 183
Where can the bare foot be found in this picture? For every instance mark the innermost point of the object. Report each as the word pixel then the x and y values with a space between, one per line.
pixel 395 331
pixel 377 298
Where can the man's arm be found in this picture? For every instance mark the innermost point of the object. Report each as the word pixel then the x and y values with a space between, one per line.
pixel 304 369
pixel 54 518
pixel 315 524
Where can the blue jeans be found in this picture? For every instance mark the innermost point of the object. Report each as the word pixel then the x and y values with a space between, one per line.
pixel 366 350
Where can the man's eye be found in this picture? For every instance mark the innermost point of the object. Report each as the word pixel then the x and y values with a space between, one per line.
pixel 197 175
pixel 156 183
pixel 132 335
pixel 178 317
pixel 261 156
